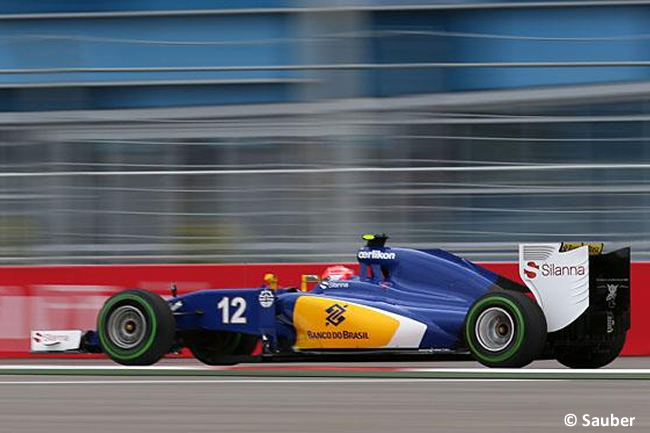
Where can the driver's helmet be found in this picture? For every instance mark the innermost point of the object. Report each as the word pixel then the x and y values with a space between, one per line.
pixel 337 273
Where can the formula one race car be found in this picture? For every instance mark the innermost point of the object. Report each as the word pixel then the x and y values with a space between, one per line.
pixel 574 307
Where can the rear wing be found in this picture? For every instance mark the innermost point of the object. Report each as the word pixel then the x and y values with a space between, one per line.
pixel 570 280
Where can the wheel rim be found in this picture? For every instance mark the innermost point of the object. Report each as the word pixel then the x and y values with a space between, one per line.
pixel 494 329
pixel 127 327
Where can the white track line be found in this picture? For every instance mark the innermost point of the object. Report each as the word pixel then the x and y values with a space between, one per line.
pixel 108 367
pixel 524 371
pixel 253 381
pixel 479 371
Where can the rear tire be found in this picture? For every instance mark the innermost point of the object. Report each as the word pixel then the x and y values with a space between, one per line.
pixel 136 327
pixel 221 348
pixel 505 329
pixel 591 356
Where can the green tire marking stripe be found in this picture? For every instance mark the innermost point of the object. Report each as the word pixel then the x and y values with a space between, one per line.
pixel 108 346
pixel 518 341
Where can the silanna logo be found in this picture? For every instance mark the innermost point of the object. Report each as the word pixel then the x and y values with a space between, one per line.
pixel 335 315
pixel 532 269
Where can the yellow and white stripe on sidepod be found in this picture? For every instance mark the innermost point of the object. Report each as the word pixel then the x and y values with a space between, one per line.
pixel 362 327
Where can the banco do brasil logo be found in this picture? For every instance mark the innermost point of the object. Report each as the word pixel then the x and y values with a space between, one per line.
pixel 335 315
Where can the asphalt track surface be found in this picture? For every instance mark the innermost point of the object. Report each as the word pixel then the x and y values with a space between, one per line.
pixel 166 403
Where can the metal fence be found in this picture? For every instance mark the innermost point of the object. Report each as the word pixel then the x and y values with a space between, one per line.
pixel 301 182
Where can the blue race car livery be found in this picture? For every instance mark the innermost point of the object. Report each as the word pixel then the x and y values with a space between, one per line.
pixel 574 306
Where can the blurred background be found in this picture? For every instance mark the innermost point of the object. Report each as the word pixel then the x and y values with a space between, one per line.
pixel 280 130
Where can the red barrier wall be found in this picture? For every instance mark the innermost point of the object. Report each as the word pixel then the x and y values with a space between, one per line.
pixel 68 297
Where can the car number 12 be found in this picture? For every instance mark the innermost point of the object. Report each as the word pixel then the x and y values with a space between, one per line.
pixel 238 304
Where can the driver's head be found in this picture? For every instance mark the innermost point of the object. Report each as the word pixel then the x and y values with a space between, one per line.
pixel 337 273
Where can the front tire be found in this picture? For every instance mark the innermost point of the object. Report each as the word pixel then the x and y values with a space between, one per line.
pixel 505 329
pixel 136 327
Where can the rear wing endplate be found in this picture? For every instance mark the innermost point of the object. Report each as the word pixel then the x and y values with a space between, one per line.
pixel 566 278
